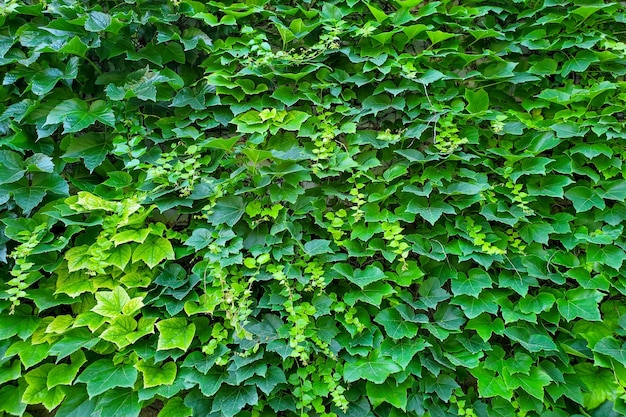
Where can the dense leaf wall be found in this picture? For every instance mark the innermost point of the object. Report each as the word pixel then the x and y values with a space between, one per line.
pixel 313 208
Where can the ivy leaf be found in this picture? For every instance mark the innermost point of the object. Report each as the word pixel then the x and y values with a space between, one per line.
pixel 396 326
pixel 472 284
pixel 533 383
pixel 606 255
pixel 227 210
pixel 76 115
pixel 77 405
pixel 231 400
pixel 110 303
pixel 430 211
pixel 175 407
pixel 38 392
pixel 98 21
pixel 102 375
pixel 568 130
pixel 431 292
pixel 374 368
pixel 153 251
pixel 11 399
pixel 536 232
pixel 584 198
pixel 531 342
pixel 372 294
pixel 200 238
pixel 154 375
pixel 317 247
pixel 389 392
pixel 402 351
pixel 11 167
pixel 579 302
pixel 477 101
pixel 361 277
pixel 92 148
pixel 490 385
pixel 175 333
pixel 615 190
pixel 119 403
pixel 611 347
pixel 443 385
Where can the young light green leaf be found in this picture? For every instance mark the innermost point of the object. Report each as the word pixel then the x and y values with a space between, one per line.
pixel 175 333
pixel 153 251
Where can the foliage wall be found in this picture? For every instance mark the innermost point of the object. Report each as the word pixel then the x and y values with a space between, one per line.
pixel 337 208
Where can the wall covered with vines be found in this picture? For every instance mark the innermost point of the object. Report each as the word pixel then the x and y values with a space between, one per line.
pixel 338 208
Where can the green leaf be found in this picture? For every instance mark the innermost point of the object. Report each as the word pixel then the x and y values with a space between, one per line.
pixel 38 392
pixel 131 235
pixel 44 81
pixel 175 407
pixel 609 255
pixel 532 342
pixel 98 21
pixel 615 190
pixel 200 238
pixel 600 384
pixel 477 100
pixel 533 383
pixel 175 333
pixel 154 375
pixel 272 378
pixel 611 347
pixel 153 251
pixel 117 179
pixel 231 400
pixel 536 304
pixel 402 351
pixel 76 115
pixel 29 354
pixel 22 326
pixel 110 303
pixel 10 399
pixel 286 95
pixel 78 404
pixel 10 371
pixel 374 368
pixel 568 130
pixel 119 402
pixel 579 63
pixel 585 198
pixel 389 392
pixel 227 210
pixel 431 292
pixel 360 277
pixel 120 331
pixel 472 284
pixel 546 66
pixel 490 385
pixel 11 167
pixel 91 148
pixel 536 232
pixel 64 374
pixel 102 375
pixel 75 47
pixel 580 302
pixel 372 294
pixel 429 210
pixel 377 103
pixel 395 325
pixel 317 247
pixel 437 36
